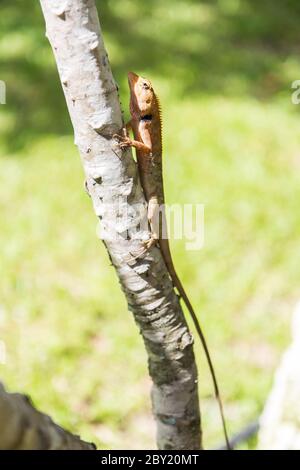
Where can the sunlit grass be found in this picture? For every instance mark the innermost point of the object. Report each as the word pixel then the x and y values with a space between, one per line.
pixel 70 341
pixel 71 344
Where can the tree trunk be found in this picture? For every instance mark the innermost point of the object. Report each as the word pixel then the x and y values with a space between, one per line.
pixel 22 427
pixel 73 30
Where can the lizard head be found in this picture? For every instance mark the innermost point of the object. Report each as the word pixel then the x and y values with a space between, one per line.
pixel 142 97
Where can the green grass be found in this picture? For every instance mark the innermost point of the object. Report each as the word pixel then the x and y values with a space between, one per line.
pixel 231 142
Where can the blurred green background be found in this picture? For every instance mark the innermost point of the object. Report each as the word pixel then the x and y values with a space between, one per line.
pixel 223 70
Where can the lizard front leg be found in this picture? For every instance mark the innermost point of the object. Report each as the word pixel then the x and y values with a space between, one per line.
pixel 125 142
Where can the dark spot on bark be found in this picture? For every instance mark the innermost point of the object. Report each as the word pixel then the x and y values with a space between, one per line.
pixel 62 16
pixel 98 179
pixel 167 419
pixel 86 188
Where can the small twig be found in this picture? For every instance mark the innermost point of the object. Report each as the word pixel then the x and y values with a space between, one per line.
pixel 242 436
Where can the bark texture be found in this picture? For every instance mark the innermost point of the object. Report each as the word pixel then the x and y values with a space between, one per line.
pixel 22 427
pixel 73 30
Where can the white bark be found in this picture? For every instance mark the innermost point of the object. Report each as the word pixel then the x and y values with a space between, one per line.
pixel 91 93
pixel 22 427
pixel 280 421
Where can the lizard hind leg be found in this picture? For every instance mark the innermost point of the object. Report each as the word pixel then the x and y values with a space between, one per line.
pixel 152 215
pixel 143 251
pixel 153 218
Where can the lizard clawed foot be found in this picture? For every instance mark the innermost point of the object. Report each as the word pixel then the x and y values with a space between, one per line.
pixel 147 245
pixel 123 141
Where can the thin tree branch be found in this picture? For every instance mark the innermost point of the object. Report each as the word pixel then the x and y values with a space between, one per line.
pixel 22 427
pixel 73 30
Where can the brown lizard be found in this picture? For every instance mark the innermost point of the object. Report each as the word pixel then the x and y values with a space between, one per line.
pixel 146 126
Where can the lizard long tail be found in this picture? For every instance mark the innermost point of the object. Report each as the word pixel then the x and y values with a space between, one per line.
pixel 164 245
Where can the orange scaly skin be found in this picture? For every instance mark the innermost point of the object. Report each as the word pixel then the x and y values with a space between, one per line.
pixel 146 126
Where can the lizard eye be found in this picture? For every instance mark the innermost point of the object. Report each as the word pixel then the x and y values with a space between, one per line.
pixel 146 86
